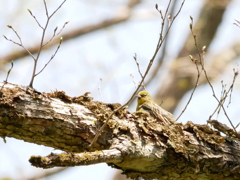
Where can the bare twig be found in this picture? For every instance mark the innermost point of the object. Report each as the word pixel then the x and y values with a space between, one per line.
pixel 9 71
pixel 222 97
pixel 159 44
pixel 237 125
pixel 20 40
pixel 34 17
pixel 40 48
pixel 194 88
pixel 237 24
pixel 34 74
pixel 196 62
pixel 55 33
pixel 222 100
pixel 50 58
pixel 139 71
pixel 117 19
pixel 7 75
pixel 62 27
pixel 169 10
pixel 163 49
pixel 236 72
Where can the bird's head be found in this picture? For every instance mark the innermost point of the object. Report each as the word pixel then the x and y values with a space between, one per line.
pixel 143 96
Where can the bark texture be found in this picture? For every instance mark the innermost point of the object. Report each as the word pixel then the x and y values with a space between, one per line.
pixel 135 143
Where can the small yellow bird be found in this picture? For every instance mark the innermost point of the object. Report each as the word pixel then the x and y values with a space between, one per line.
pixel 146 103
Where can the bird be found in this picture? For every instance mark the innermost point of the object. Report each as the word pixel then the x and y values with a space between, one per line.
pixel 146 103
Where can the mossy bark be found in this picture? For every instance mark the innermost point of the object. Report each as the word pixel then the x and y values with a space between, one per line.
pixel 135 143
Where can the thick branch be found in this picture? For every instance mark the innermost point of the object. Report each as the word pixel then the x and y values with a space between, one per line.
pixel 66 160
pixel 38 118
pixel 135 143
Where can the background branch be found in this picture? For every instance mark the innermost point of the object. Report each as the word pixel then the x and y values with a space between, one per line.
pixel 118 18
pixel 181 76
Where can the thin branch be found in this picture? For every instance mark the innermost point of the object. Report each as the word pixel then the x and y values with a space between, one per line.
pixel 221 101
pixel 19 44
pixel 222 97
pixel 163 49
pixel 194 88
pixel 196 62
pixel 9 71
pixel 55 33
pixel 71 35
pixel 159 44
pixel 62 27
pixel 139 71
pixel 236 73
pixel 35 18
pixel 34 74
pixel 46 9
pixel 237 24
pixel 60 42
pixel 56 9
pixel 237 125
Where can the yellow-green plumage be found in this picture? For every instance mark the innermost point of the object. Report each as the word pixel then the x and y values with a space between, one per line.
pixel 146 103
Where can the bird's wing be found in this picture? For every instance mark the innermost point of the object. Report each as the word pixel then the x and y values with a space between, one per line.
pixel 159 113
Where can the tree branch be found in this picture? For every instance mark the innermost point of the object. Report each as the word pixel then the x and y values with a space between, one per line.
pixel 135 143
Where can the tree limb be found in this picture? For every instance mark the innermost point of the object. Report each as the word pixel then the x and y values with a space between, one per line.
pixel 135 143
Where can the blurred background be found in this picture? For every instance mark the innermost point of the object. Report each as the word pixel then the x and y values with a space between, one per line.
pixel 96 56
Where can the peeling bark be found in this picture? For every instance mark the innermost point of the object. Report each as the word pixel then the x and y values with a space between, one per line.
pixel 135 143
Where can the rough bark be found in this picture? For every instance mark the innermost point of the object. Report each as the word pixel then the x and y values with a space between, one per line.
pixel 135 143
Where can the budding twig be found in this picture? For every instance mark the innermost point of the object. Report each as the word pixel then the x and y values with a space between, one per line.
pixel 161 39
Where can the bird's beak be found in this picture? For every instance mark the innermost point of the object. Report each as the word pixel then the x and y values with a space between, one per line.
pixel 138 96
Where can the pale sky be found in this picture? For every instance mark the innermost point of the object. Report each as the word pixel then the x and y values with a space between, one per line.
pixel 105 54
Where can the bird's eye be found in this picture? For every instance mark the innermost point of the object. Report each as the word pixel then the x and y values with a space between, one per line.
pixel 143 95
